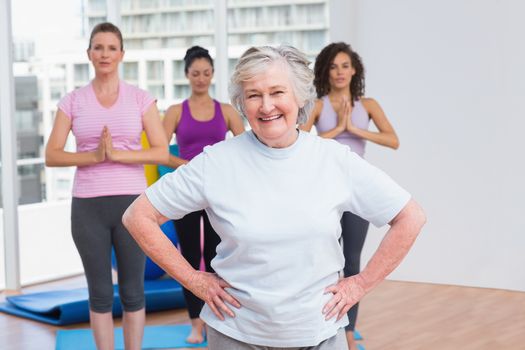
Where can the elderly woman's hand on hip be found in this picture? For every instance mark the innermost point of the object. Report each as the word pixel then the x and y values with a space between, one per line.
pixel 211 289
pixel 347 292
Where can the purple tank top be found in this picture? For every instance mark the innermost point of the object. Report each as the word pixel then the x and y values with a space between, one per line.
pixel 328 120
pixel 193 135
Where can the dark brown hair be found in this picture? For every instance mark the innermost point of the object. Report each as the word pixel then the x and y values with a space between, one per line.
pixel 322 70
pixel 193 53
pixel 106 27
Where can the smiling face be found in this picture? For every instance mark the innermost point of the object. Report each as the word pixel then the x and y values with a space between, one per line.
pixel 341 71
pixel 271 107
pixel 105 53
pixel 199 75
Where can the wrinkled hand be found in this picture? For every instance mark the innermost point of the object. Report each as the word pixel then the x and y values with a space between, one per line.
pixel 211 289
pixel 100 152
pixel 346 293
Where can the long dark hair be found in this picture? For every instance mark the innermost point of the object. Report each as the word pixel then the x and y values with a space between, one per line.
pixel 193 53
pixel 106 27
pixel 322 70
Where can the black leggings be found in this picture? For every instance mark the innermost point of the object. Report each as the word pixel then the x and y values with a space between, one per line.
pixel 354 230
pixel 188 231
pixel 96 225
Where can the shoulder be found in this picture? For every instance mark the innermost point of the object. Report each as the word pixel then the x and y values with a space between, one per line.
pixel 174 110
pixel 316 111
pixel 369 103
pixel 229 146
pixel 329 154
pixel 227 108
pixel 328 146
pixel 79 92
pixel 228 111
pixel 140 94
pixel 77 96
pixel 318 104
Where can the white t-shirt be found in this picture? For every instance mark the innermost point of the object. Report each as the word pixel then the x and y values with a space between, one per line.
pixel 277 212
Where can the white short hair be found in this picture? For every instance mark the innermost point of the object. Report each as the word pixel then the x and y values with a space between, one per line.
pixel 257 59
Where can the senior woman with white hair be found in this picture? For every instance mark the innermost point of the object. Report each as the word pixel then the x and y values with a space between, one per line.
pixel 275 196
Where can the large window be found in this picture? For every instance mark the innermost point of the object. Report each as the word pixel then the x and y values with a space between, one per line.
pixel 50 63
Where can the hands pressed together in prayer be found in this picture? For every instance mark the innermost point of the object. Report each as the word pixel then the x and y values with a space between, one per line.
pixel 344 116
pixel 105 147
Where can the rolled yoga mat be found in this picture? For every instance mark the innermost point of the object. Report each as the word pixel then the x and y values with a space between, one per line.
pixel 63 307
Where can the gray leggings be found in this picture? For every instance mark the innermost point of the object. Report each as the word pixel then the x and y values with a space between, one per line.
pixel 219 341
pixel 354 230
pixel 96 225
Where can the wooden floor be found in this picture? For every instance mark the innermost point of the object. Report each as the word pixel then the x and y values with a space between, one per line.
pixel 395 316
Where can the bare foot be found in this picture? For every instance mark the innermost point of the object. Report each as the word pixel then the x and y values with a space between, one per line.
pixel 196 335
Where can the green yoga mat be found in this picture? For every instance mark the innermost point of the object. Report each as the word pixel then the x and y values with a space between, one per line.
pixel 155 337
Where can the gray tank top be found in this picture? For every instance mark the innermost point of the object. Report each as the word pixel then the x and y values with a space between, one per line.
pixel 328 120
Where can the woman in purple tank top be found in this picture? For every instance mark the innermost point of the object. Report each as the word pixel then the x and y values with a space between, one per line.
pixel 343 114
pixel 198 122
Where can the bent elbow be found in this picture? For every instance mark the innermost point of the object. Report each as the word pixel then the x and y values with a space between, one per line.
pixel 49 161
pixel 395 145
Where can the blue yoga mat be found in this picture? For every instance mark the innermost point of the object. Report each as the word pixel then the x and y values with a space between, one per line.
pixel 63 307
pixel 155 337
pixel 357 335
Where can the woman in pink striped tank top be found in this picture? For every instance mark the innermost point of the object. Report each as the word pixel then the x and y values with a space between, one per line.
pixel 198 122
pixel 343 113
pixel 107 118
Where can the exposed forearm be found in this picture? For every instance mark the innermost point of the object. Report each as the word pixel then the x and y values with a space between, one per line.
pixel 61 158
pixel 381 138
pixel 154 155
pixel 330 134
pixel 175 162
pixel 157 246
pixel 395 245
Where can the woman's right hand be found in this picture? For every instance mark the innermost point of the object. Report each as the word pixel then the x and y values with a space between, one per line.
pixel 343 114
pixel 211 289
pixel 100 152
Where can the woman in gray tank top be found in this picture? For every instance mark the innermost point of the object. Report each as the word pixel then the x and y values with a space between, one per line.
pixel 342 113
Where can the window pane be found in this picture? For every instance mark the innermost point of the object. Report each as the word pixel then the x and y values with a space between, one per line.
pixel 81 74
pixel 130 71
pixel 298 23
pixel 31 187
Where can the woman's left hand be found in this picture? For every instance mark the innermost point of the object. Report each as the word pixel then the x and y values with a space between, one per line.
pixel 349 126
pixel 346 293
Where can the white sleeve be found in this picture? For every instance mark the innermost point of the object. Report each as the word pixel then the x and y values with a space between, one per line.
pixel 374 196
pixel 180 192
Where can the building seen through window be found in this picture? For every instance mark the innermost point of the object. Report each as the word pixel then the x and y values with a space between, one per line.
pixel 156 36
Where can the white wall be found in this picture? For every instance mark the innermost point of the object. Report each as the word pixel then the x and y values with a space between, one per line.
pixel 451 77
pixel 2 255
pixel 47 250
